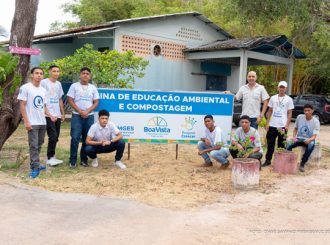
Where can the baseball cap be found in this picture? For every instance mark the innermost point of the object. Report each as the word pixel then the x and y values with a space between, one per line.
pixel 283 83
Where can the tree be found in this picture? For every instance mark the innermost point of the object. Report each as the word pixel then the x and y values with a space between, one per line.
pixel 109 68
pixel 22 31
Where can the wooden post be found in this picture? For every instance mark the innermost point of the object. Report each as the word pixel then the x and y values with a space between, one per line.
pixel 129 151
pixel 176 151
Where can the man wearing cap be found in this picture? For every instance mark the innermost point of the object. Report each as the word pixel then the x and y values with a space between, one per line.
pixel 253 94
pixel 278 120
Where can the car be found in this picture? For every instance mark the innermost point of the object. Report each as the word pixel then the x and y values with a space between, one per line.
pixel 238 111
pixel 321 104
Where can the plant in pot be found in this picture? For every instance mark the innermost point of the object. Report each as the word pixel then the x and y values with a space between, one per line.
pixel 285 162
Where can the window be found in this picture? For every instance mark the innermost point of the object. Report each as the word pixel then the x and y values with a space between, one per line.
pixel 157 50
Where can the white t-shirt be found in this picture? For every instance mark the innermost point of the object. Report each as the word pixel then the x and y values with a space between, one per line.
pixel 253 135
pixel 98 133
pixel 252 99
pixel 83 95
pixel 53 96
pixel 215 136
pixel 281 106
pixel 35 102
pixel 306 128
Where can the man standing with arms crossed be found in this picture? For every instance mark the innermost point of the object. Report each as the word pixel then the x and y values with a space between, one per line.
pixel 33 109
pixel 278 120
pixel 253 94
pixel 55 107
pixel 83 97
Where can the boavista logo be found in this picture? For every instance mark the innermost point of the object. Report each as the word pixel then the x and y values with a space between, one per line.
pixel 157 124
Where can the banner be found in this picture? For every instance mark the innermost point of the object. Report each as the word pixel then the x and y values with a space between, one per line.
pixel 166 117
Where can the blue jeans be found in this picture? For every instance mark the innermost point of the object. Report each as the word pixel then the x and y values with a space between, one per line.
pixel 79 130
pixel 219 155
pixel 308 151
pixel 119 147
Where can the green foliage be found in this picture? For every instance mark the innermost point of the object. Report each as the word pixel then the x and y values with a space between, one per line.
pixel 8 65
pixel 109 68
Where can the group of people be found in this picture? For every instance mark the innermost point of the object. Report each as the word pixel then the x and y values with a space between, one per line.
pixel 246 142
pixel 42 110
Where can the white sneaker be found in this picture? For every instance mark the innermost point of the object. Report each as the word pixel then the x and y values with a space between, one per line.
pixel 120 164
pixel 53 161
pixel 95 163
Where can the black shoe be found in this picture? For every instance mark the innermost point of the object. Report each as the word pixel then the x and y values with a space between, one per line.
pixel 266 163
pixel 73 165
pixel 301 169
pixel 84 164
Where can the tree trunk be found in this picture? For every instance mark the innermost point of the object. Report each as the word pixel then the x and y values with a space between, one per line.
pixel 22 31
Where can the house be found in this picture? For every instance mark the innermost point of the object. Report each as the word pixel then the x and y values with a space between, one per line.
pixel 186 51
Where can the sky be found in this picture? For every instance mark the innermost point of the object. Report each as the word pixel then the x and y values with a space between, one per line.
pixel 48 12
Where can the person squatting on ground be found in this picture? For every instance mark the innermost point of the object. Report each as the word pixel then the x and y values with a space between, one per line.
pixel 33 109
pixel 306 129
pixel 54 103
pixel 247 140
pixel 278 120
pixel 212 144
pixel 103 137
pixel 253 94
pixel 83 97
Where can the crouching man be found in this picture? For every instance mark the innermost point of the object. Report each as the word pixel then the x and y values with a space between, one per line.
pixel 104 137
pixel 212 144
pixel 246 141
pixel 305 131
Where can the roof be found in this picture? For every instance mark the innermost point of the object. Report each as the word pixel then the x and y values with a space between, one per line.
pixel 115 24
pixel 275 45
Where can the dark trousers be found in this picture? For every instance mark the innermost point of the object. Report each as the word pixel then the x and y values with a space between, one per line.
pixel 79 130
pixel 256 155
pixel 36 138
pixel 308 150
pixel 53 132
pixel 271 136
pixel 118 146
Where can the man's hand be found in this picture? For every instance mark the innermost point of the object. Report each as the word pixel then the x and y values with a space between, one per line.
pixel 259 119
pixel 84 114
pixel 53 119
pixel 207 141
pixel 267 127
pixel 106 142
pixel 201 152
pixel 62 118
pixel 307 141
pixel 28 126
pixel 239 147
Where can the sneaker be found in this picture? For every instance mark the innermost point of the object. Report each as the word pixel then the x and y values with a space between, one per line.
pixel 301 169
pixel 34 173
pixel 42 167
pixel 53 161
pixel 95 163
pixel 84 164
pixel 266 163
pixel 206 164
pixel 120 164
pixel 73 165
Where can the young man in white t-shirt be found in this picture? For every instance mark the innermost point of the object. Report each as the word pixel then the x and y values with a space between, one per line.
pixel 103 137
pixel 212 144
pixel 32 107
pixel 55 107
pixel 83 97
pixel 278 120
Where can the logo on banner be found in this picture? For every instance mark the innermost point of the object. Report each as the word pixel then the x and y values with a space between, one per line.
pixel 188 126
pixel 189 123
pixel 157 127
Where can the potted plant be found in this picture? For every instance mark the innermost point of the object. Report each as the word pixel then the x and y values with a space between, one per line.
pixel 285 162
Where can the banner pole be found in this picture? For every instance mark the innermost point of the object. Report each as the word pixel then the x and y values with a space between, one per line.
pixel 129 151
pixel 176 151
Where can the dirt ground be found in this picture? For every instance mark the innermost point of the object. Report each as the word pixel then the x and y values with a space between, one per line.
pixel 173 201
pixel 153 175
